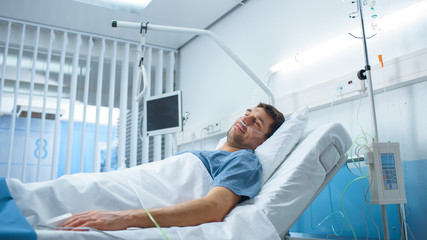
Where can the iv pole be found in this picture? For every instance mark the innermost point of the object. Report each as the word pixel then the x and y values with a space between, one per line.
pixel 367 74
pixel 213 36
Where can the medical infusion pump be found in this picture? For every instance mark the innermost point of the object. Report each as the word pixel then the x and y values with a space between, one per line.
pixel 385 170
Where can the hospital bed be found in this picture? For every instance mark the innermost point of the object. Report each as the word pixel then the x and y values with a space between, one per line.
pixel 311 159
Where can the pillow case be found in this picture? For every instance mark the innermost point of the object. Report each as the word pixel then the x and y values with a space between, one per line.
pixel 274 150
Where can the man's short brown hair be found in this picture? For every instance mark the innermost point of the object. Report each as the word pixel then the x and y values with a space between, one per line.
pixel 275 114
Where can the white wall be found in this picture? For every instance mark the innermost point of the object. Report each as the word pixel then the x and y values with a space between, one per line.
pixel 264 33
pixel 400 117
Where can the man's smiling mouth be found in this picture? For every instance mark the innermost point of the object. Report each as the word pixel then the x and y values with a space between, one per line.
pixel 240 128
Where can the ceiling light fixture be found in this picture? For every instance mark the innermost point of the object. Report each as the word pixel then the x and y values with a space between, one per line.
pixel 133 6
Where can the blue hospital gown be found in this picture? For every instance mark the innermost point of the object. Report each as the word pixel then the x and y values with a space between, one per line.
pixel 238 171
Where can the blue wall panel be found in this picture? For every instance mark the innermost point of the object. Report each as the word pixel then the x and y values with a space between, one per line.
pixel 34 148
pixel 88 148
pixel 416 194
pixel 325 215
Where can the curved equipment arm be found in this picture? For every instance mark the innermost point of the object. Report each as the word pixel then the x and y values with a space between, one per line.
pixel 208 33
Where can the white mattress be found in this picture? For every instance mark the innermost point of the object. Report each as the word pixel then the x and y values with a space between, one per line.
pixel 280 202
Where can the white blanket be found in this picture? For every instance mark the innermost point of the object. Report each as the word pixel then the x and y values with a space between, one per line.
pixel 173 180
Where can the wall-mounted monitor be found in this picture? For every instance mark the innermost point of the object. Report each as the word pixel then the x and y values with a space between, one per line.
pixel 163 113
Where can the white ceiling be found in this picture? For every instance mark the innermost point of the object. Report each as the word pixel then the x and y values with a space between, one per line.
pixel 74 15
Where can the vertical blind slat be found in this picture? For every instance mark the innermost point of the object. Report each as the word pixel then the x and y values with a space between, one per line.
pixel 123 106
pixel 169 88
pixel 146 139
pixel 45 92
pixel 170 72
pixel 158 89
pixel 85 100
pixel 15 102
pixel 135 113
pixel 110 107
pixel 73 92
pixel 96 153
pixel 5 53
pixel 57 130
pixel 29 110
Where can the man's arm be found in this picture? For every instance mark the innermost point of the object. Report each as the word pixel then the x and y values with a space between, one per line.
pixel 211 208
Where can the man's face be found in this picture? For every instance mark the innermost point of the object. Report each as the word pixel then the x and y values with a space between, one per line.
pixel 257 123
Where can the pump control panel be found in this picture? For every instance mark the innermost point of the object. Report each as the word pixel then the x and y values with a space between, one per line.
pixel 386 175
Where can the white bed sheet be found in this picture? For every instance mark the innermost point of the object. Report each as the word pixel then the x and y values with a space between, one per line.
pixel 157 184
pixel 116 190
pixel 282 199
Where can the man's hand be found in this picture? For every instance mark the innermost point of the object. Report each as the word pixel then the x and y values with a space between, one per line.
pixel 212 208
pixel 102 220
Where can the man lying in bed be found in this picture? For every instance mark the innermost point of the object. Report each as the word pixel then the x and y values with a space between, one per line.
pixel 236 174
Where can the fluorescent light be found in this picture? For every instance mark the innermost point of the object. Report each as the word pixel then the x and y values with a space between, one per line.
pixel 403 16
pixel 133 6
pixel 341 43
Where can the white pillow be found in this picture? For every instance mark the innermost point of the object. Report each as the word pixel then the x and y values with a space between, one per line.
pixel 274 150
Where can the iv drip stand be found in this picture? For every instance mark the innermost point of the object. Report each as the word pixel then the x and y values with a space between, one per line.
pixel 367 75
pixel 373 114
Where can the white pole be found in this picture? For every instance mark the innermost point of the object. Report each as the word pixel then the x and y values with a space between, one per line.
pixel 368 74
pixel 15 102
pixel 96 153
pixel 73 91
pixel 85 100
pixel 123 107
pixel 57 132
pixel 373 112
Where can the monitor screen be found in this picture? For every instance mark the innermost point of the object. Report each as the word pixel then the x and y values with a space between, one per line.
pixel 163 114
